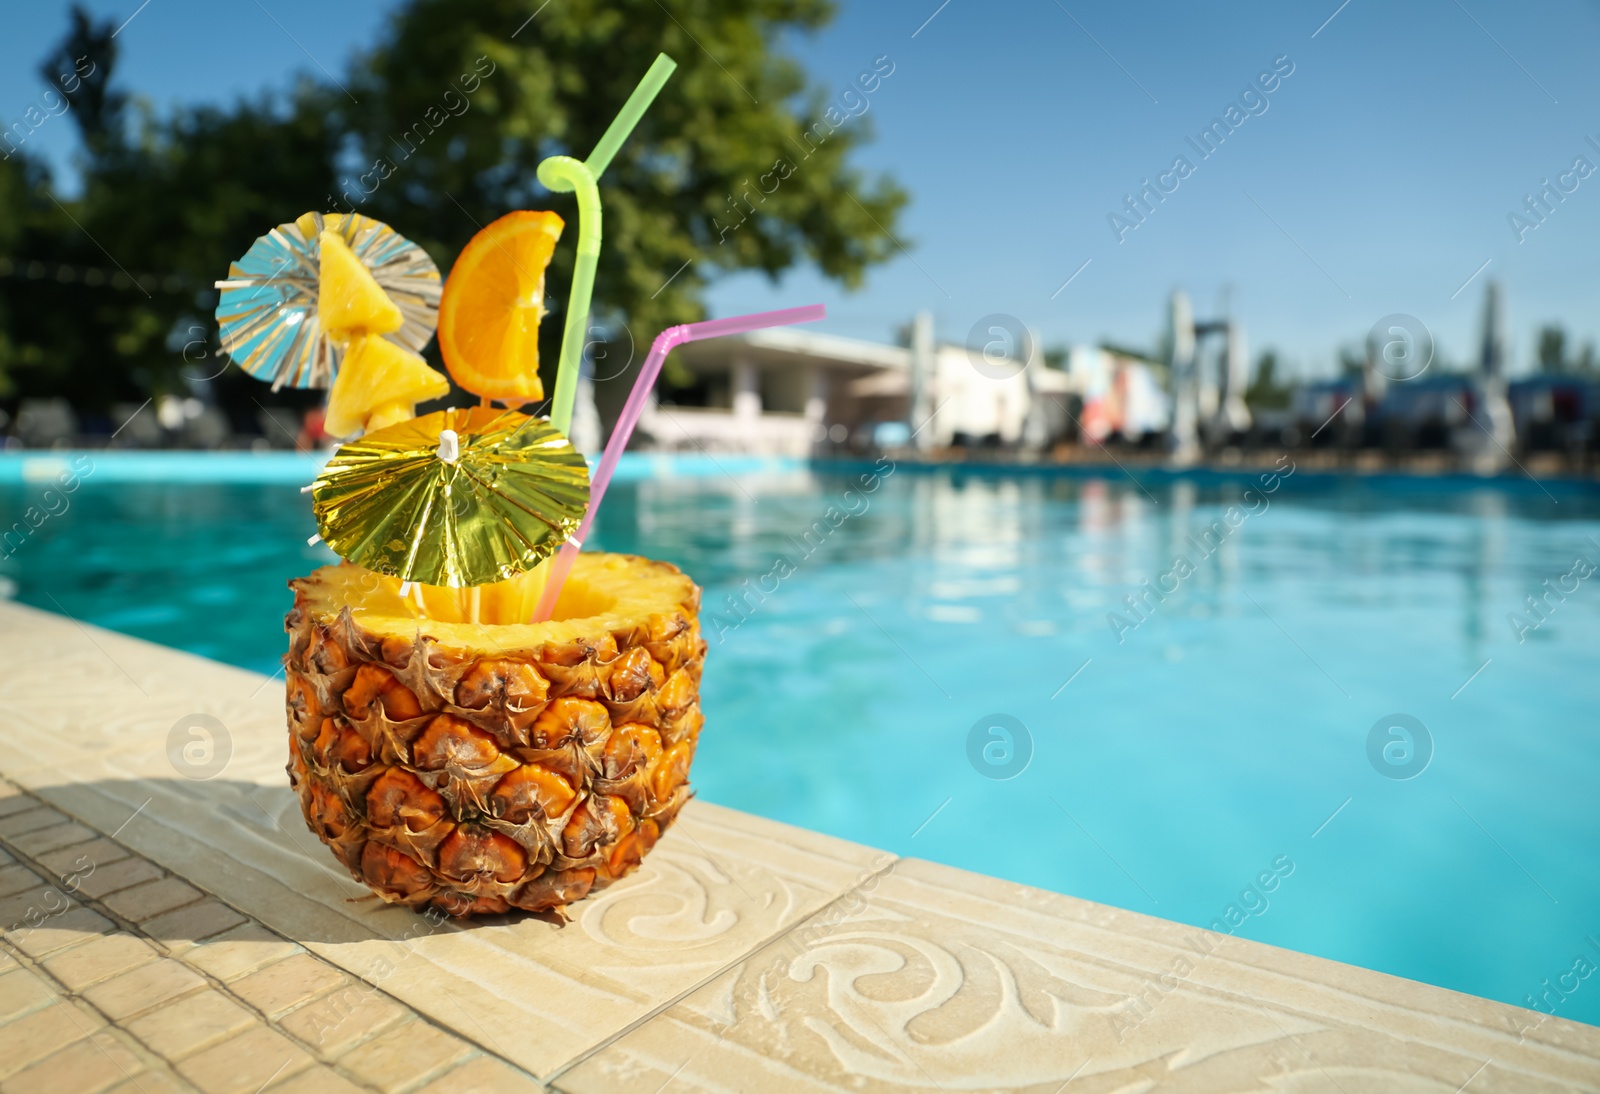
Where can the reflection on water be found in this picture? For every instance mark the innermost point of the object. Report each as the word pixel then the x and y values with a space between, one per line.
pixel 1224 728
pixel 883 652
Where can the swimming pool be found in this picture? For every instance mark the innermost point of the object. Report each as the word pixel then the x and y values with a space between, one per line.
pixel 946 666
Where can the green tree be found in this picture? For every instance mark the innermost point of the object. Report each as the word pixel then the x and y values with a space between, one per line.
pixel 741 164
pixel 1265 392
pixel 121 309
pixel 1552 350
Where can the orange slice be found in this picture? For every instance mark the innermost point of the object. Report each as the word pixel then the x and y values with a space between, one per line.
pixel 492 303
pixel 349 299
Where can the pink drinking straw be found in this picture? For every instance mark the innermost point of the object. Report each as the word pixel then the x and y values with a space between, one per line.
pixel 663 345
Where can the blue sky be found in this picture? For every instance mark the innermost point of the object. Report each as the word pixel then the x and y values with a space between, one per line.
pixel 1378 180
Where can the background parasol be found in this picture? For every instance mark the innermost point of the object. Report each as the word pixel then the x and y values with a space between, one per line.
pixel 456 498
pixel 268 308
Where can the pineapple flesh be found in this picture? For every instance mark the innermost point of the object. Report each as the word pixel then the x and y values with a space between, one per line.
pixel 478 767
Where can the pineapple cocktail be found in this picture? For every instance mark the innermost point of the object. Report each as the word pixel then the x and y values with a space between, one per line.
pixel 474 726
pixel 448 750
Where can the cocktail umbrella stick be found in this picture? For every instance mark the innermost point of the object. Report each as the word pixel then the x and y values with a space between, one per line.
pixel 664 343
pixel 563 174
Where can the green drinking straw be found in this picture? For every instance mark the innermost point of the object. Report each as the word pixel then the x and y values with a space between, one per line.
pixel 563 174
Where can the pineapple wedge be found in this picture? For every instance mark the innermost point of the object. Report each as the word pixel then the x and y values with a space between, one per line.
pixel 349 299
pixel 480 767
pixel 379 384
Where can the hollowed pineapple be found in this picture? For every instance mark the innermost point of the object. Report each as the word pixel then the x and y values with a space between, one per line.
pixel 479 767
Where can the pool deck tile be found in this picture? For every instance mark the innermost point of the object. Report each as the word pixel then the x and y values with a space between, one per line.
pixel 744 954
pixel 84 1067
pixel 936 975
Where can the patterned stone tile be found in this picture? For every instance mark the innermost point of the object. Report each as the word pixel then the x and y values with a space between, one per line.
pixel 718 885
pixel 932 978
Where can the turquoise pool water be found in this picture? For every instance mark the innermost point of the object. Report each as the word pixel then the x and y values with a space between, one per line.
pixel 1225 752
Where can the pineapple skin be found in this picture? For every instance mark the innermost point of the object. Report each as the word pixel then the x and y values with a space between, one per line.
pixel 478 782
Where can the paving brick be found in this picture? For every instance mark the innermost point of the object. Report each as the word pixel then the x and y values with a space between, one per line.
pixel 144 988
pixel 317 1080
pixel 59 932
pixel 285 985
pixel 98 959
pixel 43 906
pixel 339 1021
pixel 87 1067
pixel 190 1024
pixel 23 991
pixel 15 802
pixel 54 838
pixel 484 1075
pixel 124 874
pixel 239 952
pixel 153 1082
pixel 29 1040
pixel 74 859
pixel 16 879
pixel 26 820
pixel 152 898
pixel 407 1055
pixel 193 923
pixel 15 909
pixel 5 857
pixel 246 1063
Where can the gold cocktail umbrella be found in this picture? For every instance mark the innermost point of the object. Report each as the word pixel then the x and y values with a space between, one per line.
pixel 460 497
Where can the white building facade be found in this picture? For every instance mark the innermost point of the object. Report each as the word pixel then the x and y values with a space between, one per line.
pixel 795 392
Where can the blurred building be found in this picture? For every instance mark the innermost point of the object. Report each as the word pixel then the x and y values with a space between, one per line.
pixel 1122 396
pixel 785 391
pixel 1555 411
pixel 792 391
